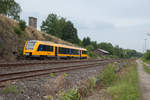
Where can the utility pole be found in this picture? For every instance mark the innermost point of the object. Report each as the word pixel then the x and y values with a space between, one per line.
pixel 145 45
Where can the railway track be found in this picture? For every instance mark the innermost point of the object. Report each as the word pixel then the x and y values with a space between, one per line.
pixel 47 62
pixel 37 72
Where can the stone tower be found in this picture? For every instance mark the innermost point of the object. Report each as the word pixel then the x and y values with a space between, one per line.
pixel 33 22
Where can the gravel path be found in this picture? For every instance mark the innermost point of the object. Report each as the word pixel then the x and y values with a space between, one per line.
pixel 144 79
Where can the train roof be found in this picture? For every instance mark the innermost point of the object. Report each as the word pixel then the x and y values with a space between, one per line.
pixel 59 45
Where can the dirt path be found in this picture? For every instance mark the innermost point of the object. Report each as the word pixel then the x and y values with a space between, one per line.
pixel 144 79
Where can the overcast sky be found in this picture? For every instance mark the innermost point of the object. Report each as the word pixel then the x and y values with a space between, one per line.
pixel 121 22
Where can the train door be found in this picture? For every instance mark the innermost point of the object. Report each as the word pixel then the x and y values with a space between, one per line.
pixel 80 54
pixel 56 51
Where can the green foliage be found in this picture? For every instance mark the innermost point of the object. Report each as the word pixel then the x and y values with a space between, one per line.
pixel 50 25
pixel 69 33
pixel 114 51
pixel 65 74
pixel 72 94
pixel 10 89
pixel 108 76
pixel 58 26
pixel 146 60
pixel 51 74
pixel 126 87
pixel 92 82
pixel 92 55
pixel 147 55
pixel 10 8
pixel 146 68
pixel 86 41
pixel 22 25
pixel 17 30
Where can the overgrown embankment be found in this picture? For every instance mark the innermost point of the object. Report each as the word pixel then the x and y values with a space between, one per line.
pixel 122 85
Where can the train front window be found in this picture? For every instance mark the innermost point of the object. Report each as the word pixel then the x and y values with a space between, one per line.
pixel 84 52
pixel 30 45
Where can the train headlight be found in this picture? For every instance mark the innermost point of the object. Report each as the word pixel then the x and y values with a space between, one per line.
pixel 27 54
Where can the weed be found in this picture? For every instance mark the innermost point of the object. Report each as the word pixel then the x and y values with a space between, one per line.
pixel 92 83
pixel 10 89
pixel 17 30
pixel 22 25
pixel 49 97
pixel 72 94
pixel 65 74
pixel 146 68
pixel 145 60
pixel 83 91
pixel 108 76
pixel 51 75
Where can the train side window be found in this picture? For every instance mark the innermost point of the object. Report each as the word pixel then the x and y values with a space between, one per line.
pixel 45 48
pixel 67 51
pixel 61 50
pixel 49 48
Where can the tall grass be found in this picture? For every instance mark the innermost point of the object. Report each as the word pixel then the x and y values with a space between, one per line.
pixel 108 76
pixel 146 68
pixel 145 60
pixel 126 86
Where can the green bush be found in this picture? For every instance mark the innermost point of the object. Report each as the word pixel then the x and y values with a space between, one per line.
pixel 72 94
pixel 17 30
pixel 22 25
pixel 108 76
pixel 147 55
pixel 92 54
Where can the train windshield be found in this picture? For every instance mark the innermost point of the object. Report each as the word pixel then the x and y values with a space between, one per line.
pixel 30 45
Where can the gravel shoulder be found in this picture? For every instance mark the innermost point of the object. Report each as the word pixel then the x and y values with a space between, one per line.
pixel 144 79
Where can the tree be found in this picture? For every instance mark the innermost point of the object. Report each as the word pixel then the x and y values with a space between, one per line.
pixel 10 8
pixel 70 33
pixel 95 45
pixel 58 26
pixel 49 25
pixel 86 41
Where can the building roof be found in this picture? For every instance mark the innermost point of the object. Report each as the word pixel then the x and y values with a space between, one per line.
pixel 104 51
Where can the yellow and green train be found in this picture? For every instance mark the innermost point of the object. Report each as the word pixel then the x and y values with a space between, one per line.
pixel 36 48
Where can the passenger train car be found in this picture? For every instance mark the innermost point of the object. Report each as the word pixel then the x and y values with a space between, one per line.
pixel 36 48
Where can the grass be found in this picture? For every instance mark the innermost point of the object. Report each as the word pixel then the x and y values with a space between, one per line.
pixel 108 76
pixel 65 75
pixel 51 75
pixel 10 89
pixel 17 30
pixel 125 86
pixel 146 68
pixel 145 60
